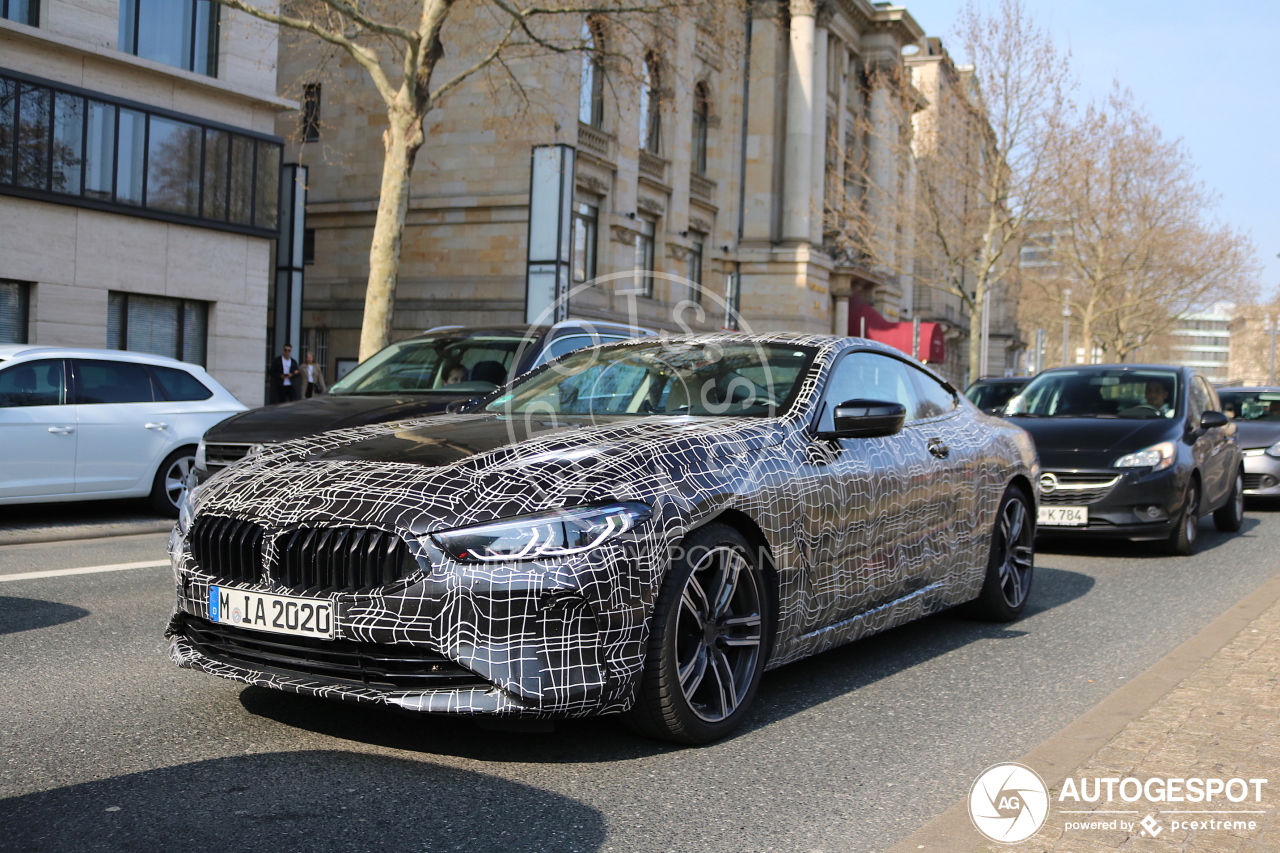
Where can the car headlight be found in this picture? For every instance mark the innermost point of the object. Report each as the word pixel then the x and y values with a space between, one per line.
pixel 1157 457
pixel 1274 450
pixel 184 512
pixel 202 459
pixel 550 534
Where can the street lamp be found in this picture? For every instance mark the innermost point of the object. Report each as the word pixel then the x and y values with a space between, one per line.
pixel 1066 322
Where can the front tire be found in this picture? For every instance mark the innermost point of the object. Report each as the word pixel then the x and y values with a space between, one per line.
pixel 707 647
pixel 171 481
pixel 1182 542
pixel 1012 561
pixel 1229 517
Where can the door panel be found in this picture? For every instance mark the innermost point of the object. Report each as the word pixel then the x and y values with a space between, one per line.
pixel 38 434
pixel 123 429
pixel 870 534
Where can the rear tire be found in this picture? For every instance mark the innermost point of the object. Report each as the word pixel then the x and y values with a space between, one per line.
pixel 707 647
pixel 170 481
pixel 1012 561
pixel 1230 516
pixel 1182 541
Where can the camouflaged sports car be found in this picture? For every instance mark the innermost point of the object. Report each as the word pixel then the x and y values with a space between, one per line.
pixel 640 528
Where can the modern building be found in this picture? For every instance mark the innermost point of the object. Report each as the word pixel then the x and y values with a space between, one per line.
pixel 139 179
pixel 1203 340
pixel 704 154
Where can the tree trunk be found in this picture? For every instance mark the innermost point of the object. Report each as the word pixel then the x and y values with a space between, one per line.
pixel 401 140
pixel 975 332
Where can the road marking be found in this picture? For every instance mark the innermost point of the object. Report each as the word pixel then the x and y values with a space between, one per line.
pixel 87 570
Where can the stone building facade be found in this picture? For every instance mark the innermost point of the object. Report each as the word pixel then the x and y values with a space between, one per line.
pixel 703 148
pixel 139 180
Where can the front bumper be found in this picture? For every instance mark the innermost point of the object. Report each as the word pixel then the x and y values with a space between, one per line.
pixel 1141 505
pixel 559 638
pixel 1261 473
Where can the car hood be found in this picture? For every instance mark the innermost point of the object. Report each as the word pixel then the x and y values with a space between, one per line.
pixel 285 421
pixel 453 470
pixel 1257 433
pixel 1093 442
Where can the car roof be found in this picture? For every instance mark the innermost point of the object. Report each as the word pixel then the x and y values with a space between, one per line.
pixel 1001 380
pixel 1175 368
pixel 1268 388
pixel 12 351
pixel 526 330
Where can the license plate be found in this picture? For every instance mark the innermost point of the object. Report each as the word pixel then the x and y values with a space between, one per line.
pixel 275 614
pixel 1062 516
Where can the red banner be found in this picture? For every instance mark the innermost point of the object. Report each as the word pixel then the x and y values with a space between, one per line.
pixel 932 346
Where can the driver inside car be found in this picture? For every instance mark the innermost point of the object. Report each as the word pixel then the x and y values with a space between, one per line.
pixel 1157 394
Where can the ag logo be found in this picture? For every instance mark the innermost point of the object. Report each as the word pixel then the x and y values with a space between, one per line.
pixel 1008 803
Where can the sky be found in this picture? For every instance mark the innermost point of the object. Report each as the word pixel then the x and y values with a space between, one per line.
pixel 1203 71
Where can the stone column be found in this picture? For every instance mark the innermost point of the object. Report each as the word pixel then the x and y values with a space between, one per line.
pixel 797 174
pixel 818 162
pixel 882 188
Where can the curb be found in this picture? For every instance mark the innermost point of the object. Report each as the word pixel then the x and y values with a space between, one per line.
pixel 70 534
pixel 1055 758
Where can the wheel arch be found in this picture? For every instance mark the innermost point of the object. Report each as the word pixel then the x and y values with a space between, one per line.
pixel 752 532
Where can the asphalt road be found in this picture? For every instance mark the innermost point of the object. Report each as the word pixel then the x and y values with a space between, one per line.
pixel 106 746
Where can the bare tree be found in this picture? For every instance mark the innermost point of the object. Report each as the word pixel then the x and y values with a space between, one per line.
pixel 1125 230
pixel 400 44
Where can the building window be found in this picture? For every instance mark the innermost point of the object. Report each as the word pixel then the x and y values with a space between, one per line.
pixel 644 258
pixel 15 311
pixel 311 112
pixel 64 143
pixel 23 11
pixel 694 271
pixel 180 33
pixel 701 111
pixel 591 84
pixel 308 246
pixel 650 114
pixel 158 325
pixel 586 222
pixel 316 342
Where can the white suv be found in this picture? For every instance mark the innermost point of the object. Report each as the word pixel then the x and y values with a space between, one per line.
pixel 81 424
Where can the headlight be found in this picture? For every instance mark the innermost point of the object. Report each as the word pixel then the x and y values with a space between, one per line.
pixel 184 512
pixel 1157 457
pixel 550 534
pixel 202 460
pixel 1274 450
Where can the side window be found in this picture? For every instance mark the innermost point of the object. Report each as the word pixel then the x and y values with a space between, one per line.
pixel 1214 404
pixel 868 376
pixel 935 400
pixel 112 382
pixel 180 385
pixel 33 383
pixel 565 344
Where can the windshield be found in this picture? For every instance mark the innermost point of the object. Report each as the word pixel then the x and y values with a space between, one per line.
pixel 993 396
pixel 467 365
pixel 703 380
pixel 1095 393
pixel 1251 405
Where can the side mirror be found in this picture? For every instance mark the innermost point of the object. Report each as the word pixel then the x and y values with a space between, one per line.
pixel 867 419
pixel 1209 420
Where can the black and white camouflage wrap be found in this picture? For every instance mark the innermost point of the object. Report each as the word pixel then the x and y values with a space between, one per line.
pixel 860 535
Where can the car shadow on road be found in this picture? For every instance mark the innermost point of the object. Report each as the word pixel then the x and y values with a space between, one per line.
pixel 784 692
pixel 28 614
pixel 315 801
pixel 1209 539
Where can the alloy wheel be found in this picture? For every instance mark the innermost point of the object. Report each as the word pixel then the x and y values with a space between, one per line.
pixel 1017 538
pixel 719 634
pixel 175 478
pixel 1191 515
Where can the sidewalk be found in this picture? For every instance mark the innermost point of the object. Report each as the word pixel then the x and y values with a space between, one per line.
pixel 1219 719
pixel 23 524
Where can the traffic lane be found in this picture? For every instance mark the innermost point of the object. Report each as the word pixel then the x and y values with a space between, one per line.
pixel 111 550
pixel 851 750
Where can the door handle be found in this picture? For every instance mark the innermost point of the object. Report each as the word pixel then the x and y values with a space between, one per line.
pixel 62 430
pixel 938 449
pixel 158 425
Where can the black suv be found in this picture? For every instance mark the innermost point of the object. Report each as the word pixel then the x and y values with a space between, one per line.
pixel 417 376
pixel 990 395
pixel 1134 451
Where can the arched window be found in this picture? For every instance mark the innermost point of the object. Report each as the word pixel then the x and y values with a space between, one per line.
pixel 701 110
pixel 591 86
pixel 650 115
